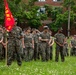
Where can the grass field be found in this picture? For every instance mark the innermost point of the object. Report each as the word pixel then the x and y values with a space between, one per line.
pixel 40 68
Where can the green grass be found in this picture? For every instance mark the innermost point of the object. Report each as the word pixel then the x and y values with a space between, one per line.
pixel 41 68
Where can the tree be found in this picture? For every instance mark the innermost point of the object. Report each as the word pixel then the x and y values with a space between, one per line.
pixel 55 16
pixel 59 17
pixel 69 4
pixel 33 15
pixel 32 18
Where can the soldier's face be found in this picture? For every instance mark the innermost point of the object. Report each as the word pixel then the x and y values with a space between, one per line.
pixel 60 31
pixel 34 32
pixel 46 30
pixel 28 30
pixel 15 23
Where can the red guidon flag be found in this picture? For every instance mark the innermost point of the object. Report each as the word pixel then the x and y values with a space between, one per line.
pixel 9 19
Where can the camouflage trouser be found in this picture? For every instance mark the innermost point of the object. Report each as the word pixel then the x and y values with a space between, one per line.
pixel 45 52
pixel 14 47
pixel 59 49
pixel 36 51
pixel 29 52
pixel 65 51
pixel 1 52
pixel 39 51
pixel 51 53
pixel 73 51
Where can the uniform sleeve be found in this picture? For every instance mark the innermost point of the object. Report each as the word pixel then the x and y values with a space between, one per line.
pixel 50 36
pixel 63 36
pixel 40 35
pixel 21 33
pixel 55 36
pixel 32 36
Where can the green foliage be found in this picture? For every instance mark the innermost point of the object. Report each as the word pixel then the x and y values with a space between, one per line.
pixel 34 23
pixel 69 2
pixel 29 12
pixel 43 16
pixel 48 9
pixel 28 15
pixel 57 18
pixel 60 18
pixel 17 1
pixel 18 10
pixel 74 8
pixel 31 2
pixel 1 11
pixel 55 11
pixel 33 19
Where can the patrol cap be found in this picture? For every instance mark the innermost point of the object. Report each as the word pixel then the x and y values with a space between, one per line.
pixel 46 27
pixel 28 28
pixel 60 28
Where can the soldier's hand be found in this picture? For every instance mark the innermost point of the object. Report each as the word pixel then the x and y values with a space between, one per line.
pixel 61 45
pixel 50 45
pixel 23 46
pixel 46 40
pixel 4 44
pixel 33 47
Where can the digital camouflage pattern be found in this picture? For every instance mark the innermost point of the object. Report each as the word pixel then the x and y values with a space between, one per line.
pixel 44 47
pixel 28 47
pixel 59 37
pixel 14 45
pixel 36 45
pixel 73 49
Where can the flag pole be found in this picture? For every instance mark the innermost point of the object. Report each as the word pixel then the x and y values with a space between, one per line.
pixel 6 49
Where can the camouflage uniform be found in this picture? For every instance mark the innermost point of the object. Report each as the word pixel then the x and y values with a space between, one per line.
pixel 14 45
pixel 73 49
pixel 36 45
pixel 39 49
pixel 28 47
pixel 1 46
pixel 51 50
pixel 65 49
pixel 45 48
pixel 59 37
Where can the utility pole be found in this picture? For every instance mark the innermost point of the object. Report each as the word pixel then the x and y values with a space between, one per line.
pixel 69 9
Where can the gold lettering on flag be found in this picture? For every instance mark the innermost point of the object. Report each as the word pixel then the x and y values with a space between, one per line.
pixel 6 11
pixel 9 27
pixel 7 15
pixel 8 19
